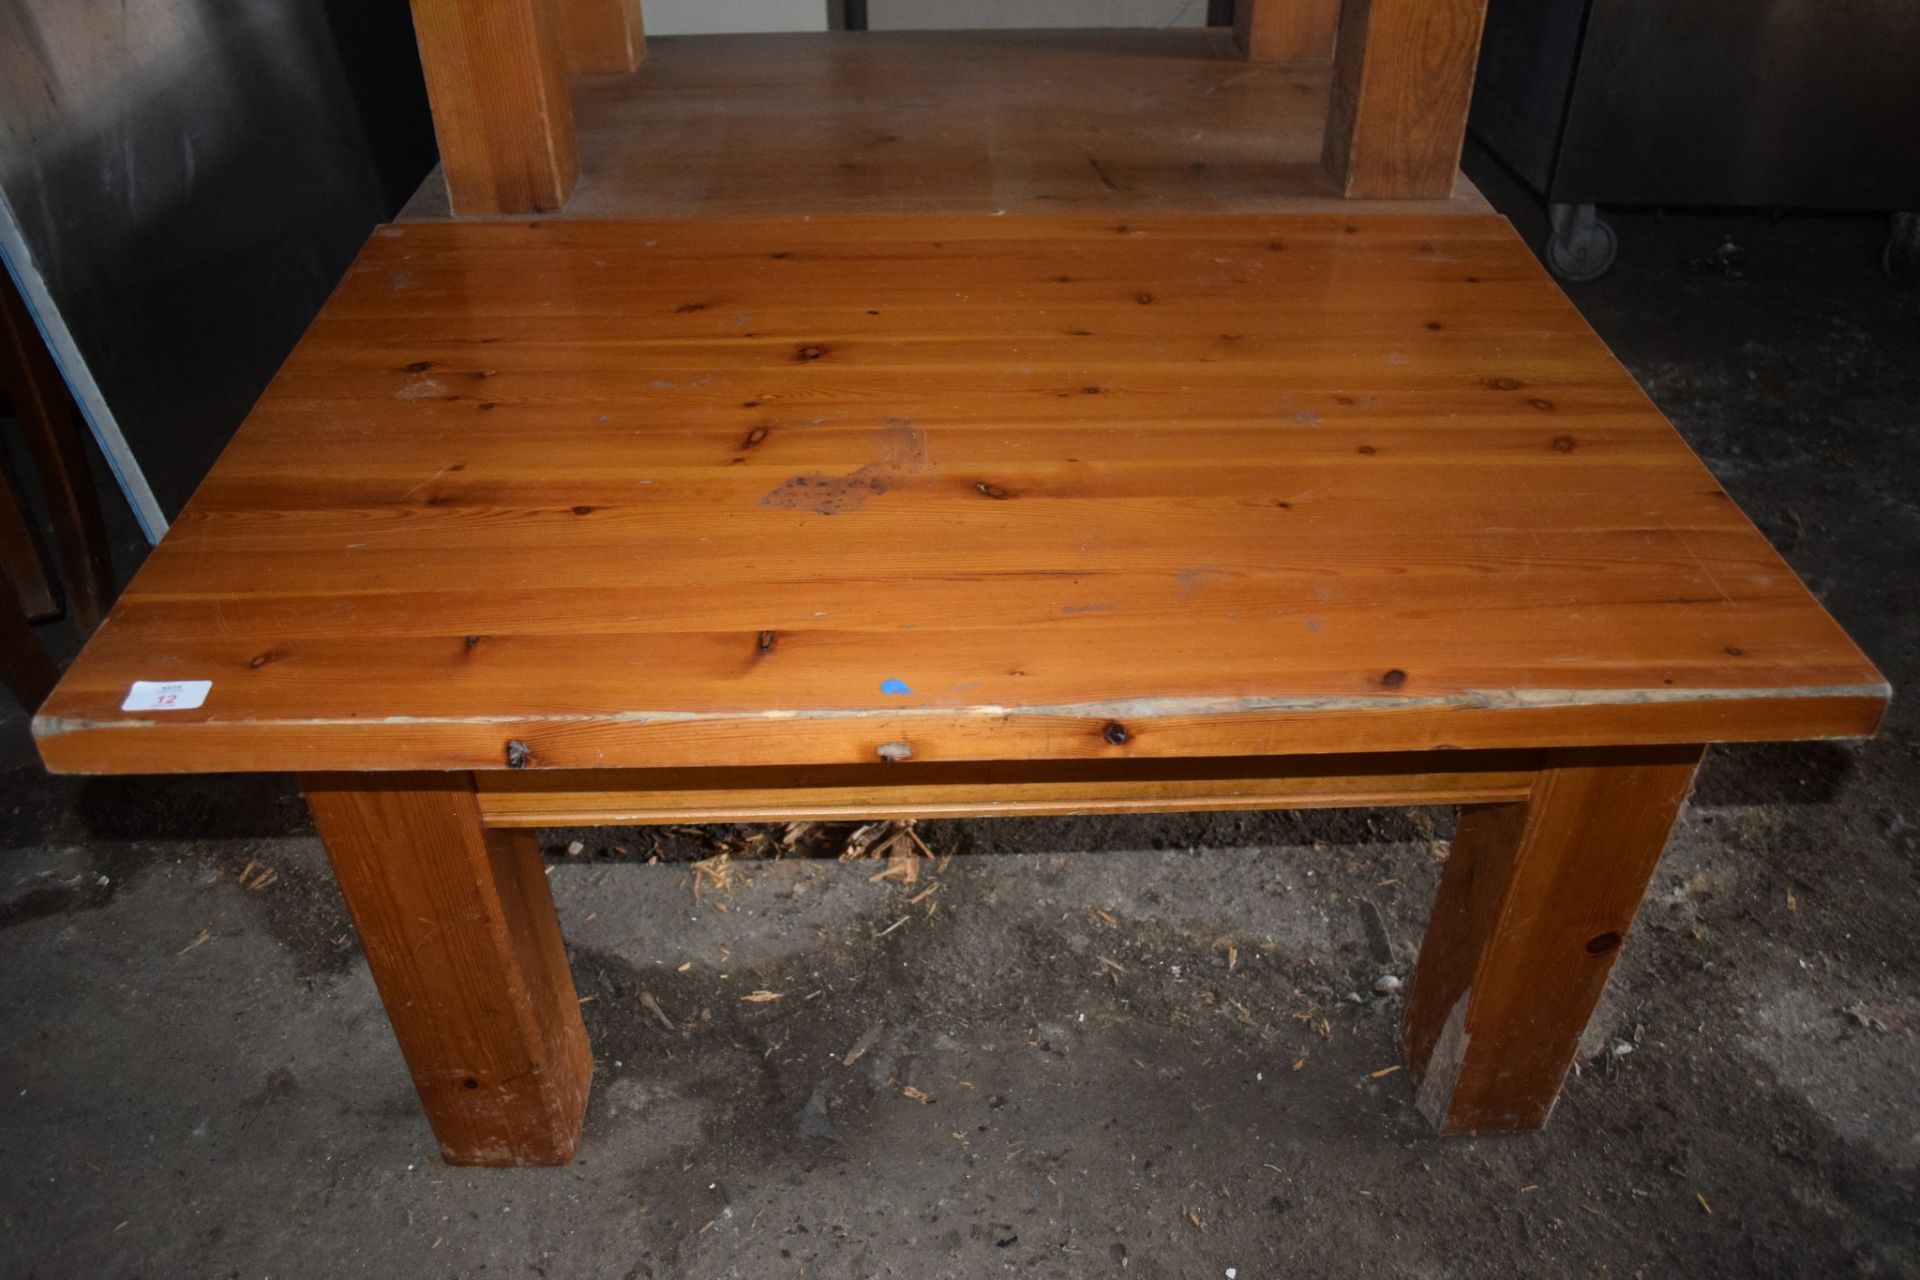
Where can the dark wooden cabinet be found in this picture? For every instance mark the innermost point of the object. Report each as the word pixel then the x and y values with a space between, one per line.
pixel 1793 104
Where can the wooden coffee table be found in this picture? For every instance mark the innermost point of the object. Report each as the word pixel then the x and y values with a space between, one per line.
pixel 577 522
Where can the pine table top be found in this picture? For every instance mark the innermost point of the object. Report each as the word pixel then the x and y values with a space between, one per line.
pixel 788 491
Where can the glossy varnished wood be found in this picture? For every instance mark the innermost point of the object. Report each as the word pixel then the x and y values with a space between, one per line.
pixel 602 35
pixel 1402 81
pixel 1534 905
pixel 951 122
pixel 697 493
pixel 589 797
pixel 460 933
pixel 496 75
pixel 1286 30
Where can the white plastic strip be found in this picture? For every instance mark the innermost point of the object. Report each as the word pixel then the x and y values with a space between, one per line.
pixel 17 258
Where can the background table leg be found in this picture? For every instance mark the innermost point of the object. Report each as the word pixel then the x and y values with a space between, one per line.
pixel 25 667
pixel 497 82
pixel 1532 908
pixel 460 932
pixel 1402 82
pixel 1286 30
pixel 603 35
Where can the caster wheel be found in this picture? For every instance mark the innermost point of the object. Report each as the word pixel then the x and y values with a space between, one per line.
pixel 1901 259
pixel 1582 246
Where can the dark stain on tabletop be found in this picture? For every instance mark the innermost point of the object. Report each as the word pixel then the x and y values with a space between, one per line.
pixel 903 455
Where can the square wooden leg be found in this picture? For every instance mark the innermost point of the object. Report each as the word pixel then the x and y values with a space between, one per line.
pixel 1286 30
pixel 603 35
pixel 460 932
pixel 497 81
pixel 1402 83
pixel 1532 908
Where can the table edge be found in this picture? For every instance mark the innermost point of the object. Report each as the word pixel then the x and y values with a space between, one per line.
pixel 1146 727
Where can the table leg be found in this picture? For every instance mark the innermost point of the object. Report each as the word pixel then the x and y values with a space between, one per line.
pixel 1286 30
pixel 502 112
pixel 1402 82
pixel 1533 905
pixel 460 932
pixel 603 35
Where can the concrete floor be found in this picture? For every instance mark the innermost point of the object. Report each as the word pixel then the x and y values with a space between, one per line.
pixel 1148 1048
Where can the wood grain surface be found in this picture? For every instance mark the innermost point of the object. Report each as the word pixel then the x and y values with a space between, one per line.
pixel 1286 30
pixel 881 122
pixel 832 491
pixel 497 79
pixel 461 936
pixel 602 35
pixel 629 797
pixel 1534 904
pixel 1402 82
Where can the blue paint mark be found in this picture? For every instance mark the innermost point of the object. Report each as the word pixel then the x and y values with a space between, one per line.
pixel 897 687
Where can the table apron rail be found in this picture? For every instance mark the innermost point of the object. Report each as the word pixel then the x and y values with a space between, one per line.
pixel 639 797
